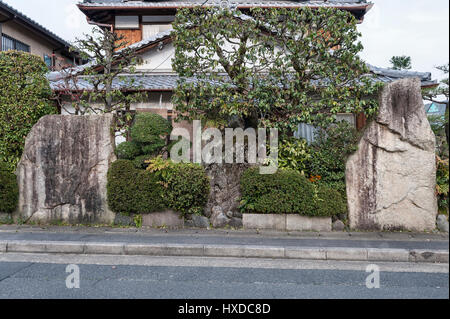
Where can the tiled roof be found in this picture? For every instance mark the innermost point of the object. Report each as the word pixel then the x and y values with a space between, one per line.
pixel 54 76
pixel 151 40
pixel 168 82
pixel 34 24
pixel 238 3
pixel 389 75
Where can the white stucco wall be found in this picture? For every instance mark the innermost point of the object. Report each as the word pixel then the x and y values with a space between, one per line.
pixel 157 60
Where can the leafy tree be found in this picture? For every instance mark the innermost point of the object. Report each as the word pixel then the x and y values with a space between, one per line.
pixel 401 62
pixel 440 95
pixel 109 56
pixel 24 98
pixel 274 68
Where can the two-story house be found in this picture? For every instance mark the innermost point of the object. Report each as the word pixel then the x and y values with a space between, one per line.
pixel 146 25
pixel 18 32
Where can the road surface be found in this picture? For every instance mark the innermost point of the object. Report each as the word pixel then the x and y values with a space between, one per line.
pixel 44 276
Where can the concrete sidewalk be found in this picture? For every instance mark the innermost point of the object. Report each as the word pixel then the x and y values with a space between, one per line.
pixel 357 246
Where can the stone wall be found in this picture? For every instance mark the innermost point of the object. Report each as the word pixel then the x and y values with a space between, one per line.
pixel 391 178
pixel 222 208
pixel 62 172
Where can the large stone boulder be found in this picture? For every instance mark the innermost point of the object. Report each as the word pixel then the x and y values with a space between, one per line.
pixel 225 187
pixel 62 172
pixel 391 178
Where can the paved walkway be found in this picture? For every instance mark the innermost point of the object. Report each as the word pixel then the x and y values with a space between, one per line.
pixel 227 237
pixel 213 243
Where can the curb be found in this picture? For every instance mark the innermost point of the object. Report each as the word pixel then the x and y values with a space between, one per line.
pixel 244 251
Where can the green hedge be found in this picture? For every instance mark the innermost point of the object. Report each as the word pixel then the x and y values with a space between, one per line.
pixel 181 187
pixel 9 190
pixel 287 192
pixel 128 150
pixel 140 161
pixel 24 98
pixel 130 190
pixel 187 188
pixel 330 202
pixel 149 131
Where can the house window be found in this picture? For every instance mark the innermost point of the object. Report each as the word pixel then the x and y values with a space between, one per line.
pixel 149 30
pixel 308 131
pixel 127 22
pixel 9 43
pixel 48 61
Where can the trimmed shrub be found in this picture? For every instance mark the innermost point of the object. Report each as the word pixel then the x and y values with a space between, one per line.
pixel 442 181
pixel 140 161
pixel 153 148
pixel 181 187
pixel 128 150
pixel 150 130
pixel 149 193
pixel 130 190
pixel 329 154
pixel 285 192
pixel 187 187
pixel 294 154
pixel 24 98
pixel 329 202
pixel 121 179
pixel 9 190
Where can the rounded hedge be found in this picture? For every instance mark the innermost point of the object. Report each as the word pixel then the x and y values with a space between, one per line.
pixel 128 150
pixel 140 161
pixel 181 187
pixel 121 177
pixel 149 193
pixel 330 202
pixel 149 127
pixel 130 190
pixel 187 188
pixel 9 190
pixel 285 192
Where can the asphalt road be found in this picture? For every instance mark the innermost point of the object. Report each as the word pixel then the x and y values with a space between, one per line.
pixel 44 276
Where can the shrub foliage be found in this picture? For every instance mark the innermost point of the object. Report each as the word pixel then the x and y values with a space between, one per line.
pixel 148 135
pixel 130 190
pixel 9 190
pixel 187 188
pixel 181 187
pixel 150 130
pixel 287 192
pixel 24 98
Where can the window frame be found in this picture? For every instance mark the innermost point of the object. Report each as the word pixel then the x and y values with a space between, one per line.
pixel 15 44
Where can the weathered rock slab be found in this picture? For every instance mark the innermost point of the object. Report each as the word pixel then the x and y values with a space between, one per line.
pixel 62 172
pixel 200 221
pixel 225 188
pixel 338 226
pixel 391 178
pixel 442 223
